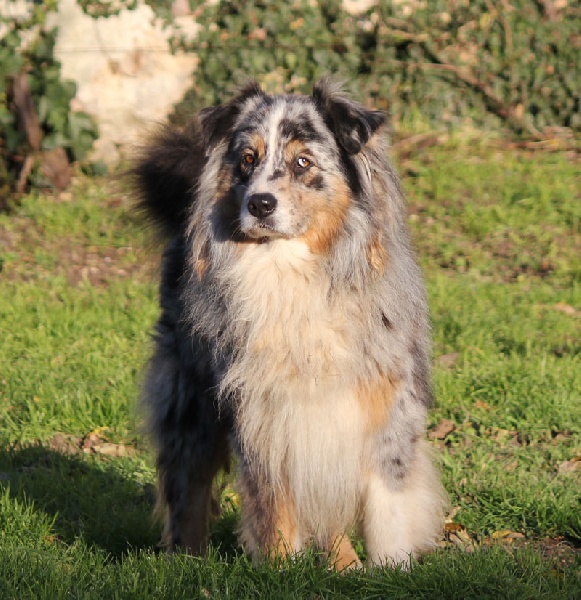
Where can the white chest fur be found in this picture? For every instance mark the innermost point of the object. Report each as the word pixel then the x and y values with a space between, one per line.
pixel 298 411
pixel 287 331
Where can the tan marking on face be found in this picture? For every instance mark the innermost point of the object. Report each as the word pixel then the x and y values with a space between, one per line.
pixel 376 255
pixel 293 150
pixel 376 399
pixel 256 142
pixel 328 215
pixel 310 176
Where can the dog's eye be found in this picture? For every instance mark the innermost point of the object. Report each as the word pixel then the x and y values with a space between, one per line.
pixel 247 164
pixel 248 159
pixel 303 163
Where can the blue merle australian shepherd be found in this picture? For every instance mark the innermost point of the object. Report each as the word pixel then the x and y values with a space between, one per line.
pixel 293 332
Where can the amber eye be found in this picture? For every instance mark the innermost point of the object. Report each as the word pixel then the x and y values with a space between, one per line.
pixel 303 163
pixel 248 159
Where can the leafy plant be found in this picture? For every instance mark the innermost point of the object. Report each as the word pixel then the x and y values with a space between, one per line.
pixel 448 62
pixel 285 47
pixel 510 67
pixel 27 51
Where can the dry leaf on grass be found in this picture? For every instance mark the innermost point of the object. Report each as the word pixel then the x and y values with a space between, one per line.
pixel 109 449
pixel 570 466
pixel 94 444
pixel 506 535
pixel 447 361
pixel 456 534
pixel 460 538
pixel 565 308
pixel 442 429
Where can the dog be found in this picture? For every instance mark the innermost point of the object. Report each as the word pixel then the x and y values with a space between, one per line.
pixel 293 333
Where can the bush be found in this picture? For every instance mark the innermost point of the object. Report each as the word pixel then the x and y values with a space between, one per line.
pixel 444 62
pixel 35 115
pixel 490 64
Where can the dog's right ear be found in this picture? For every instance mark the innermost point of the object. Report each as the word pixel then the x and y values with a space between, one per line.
pixel 217 121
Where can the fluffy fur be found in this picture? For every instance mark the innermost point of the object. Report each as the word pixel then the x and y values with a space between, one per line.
pixel 293 333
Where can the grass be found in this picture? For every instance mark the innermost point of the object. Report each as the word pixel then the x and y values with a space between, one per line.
pixel 498 234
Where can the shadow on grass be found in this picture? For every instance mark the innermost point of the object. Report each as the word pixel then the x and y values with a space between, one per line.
pixel 90 498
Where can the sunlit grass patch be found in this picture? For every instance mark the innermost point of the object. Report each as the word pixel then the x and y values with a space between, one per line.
pixel 498 236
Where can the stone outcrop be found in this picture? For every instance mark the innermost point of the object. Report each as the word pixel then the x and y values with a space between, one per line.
pixel 126 76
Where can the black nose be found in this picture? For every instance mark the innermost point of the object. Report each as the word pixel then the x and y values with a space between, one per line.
pixel 261 205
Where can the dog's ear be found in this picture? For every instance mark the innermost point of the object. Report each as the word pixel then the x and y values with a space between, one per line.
pixel 351 123
pixel 217 121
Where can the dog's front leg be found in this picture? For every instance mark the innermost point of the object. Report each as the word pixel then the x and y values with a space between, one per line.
pixel 403 514
pixel 190 435
pixel 268 523
pixel 186 470
pixel 187 512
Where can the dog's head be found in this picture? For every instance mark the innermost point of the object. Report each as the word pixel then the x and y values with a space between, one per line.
pixel 287 168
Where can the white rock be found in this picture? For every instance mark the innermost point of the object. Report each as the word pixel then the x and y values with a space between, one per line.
pixel 357 6
pixel 126 76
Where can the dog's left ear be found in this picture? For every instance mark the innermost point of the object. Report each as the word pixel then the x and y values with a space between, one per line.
pixel 217 121
pixel 351 123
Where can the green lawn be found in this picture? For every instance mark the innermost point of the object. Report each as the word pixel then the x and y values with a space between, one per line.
pixel 499 237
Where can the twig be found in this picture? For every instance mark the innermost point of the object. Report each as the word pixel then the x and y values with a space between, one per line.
pixel 25 172
pixel 506 27
pixel 495 104
pixel 25 110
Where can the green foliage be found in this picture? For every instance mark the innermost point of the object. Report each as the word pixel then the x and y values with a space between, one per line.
pixel 285 47
pixel 480 59
pixel 74 131
pixel 27 47
pixel 446 62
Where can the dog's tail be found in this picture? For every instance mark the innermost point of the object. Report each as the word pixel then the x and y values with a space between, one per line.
pixel 165 176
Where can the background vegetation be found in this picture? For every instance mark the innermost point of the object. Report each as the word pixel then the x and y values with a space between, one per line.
pixel 39 134
pixel 446 63
pixel 510 67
